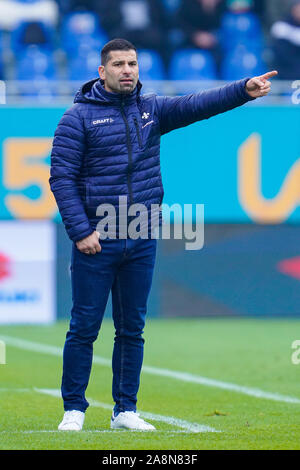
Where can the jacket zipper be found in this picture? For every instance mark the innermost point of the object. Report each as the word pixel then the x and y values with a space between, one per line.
pixel 138 132
pixel 129 148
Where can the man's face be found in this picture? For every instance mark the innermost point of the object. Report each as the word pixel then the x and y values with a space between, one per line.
pixel 121 72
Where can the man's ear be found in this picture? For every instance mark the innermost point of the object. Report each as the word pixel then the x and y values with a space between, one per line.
pixel 101 71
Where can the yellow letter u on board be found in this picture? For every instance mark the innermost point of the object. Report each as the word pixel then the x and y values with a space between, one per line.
pixel 260 209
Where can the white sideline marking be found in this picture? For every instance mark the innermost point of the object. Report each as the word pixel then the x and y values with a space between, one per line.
pixel 37 431
pixel 182 376
pixel 186 425
pixel 89 431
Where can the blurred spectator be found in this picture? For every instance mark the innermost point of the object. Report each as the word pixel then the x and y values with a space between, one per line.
pixel 200 20
pixel 139 21
pixel 31 32
pixel 286 43
pixel 13 12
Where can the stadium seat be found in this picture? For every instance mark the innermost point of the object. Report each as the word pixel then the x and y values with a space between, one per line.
pixel 82 28
pixel 242 62
pixel 241 28
pixel 151 66
pixel 171 5
pixel 192 64
pixel 84 66
pixel 31 32
pixel 35 61
pixel 36 70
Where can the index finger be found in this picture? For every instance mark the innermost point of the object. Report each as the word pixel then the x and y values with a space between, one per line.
pixel 268 75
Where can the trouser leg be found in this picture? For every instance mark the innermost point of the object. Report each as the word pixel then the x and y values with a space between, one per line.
pixel 92 278
pixel 129 296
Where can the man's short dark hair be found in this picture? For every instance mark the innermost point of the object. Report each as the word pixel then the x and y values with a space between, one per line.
pixel 115 45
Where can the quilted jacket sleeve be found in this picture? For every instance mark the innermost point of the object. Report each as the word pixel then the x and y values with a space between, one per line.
pixel 66 161
pixel 180 111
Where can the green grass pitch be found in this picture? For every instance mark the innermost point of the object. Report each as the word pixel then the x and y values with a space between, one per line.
pixel 254 354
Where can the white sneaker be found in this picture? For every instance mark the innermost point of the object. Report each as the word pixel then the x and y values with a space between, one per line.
pixel 72 421
pixel 130 420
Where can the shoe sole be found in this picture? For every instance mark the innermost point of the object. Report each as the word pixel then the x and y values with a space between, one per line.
pixel 112 426
pixel 66 429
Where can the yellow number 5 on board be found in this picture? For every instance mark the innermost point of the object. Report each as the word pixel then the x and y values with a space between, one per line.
pixel 23 166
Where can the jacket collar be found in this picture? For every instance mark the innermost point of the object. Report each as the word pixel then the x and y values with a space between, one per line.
pixel 94 92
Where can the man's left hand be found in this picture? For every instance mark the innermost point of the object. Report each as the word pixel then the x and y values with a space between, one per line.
pixel 260 86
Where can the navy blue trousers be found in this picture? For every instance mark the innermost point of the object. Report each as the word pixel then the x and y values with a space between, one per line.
pixel 124 267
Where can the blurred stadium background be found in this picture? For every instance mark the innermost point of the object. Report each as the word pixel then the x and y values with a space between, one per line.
pixel 243 166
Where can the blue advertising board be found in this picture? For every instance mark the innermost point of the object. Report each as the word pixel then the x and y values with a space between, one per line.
pixel 244 166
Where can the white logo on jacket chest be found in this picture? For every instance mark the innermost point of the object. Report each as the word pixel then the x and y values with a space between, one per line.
pixel 103 121
pixel 145 115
